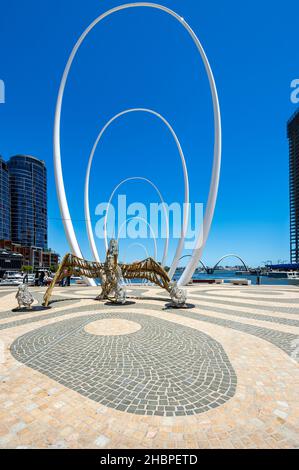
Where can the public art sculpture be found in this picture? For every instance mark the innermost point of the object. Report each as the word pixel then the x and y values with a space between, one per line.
pixel 184 227
pixel 214 182
pixel 178 295
pixel 112 274
pixel 24 297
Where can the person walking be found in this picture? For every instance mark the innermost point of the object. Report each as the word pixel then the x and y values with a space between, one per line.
pixel 41 279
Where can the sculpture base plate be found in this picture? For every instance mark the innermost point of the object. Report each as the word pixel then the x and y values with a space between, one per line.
pixel 35 308
pixel 178 307
pixel 119 304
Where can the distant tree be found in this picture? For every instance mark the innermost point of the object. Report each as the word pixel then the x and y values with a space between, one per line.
pixel 27 269
pixel 53 268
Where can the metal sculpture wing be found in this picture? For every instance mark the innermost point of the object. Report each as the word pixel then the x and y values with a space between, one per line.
pixel 71 265
pixel 111 275
pixel 146 269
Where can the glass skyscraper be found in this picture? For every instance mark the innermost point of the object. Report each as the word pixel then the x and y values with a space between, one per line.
pixel 5 232
pixel 28 186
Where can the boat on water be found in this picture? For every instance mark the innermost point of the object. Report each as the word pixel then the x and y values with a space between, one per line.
pixel 290 275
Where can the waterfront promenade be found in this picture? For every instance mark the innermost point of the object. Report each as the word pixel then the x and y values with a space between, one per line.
pixel 84 374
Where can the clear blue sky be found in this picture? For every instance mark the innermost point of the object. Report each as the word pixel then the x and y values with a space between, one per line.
pixel 145 58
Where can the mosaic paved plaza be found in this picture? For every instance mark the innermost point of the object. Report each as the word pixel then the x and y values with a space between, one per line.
pixel 85 374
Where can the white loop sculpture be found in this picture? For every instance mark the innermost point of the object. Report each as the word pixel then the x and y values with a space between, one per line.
pixel 64 209
pixel 140 245
pixel 180 245
pixel 151 230
pixel 140 178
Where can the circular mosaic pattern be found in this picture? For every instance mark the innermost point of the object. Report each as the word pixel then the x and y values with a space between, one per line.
pixel 163 369
pixel 111 326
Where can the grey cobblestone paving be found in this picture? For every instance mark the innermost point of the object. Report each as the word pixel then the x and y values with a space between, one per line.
pixel 253 316
pixel 3 293
pixel 278 338
pixel 36 318
pixel 226 291
pixel 163 369
pixel 259 294
pixel 242 303
pixel 59 301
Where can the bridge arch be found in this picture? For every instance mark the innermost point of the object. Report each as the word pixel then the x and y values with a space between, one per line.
pixel 203 265
pixel 230 255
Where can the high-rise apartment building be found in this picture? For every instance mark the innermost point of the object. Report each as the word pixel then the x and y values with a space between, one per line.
pixel 293 136
pixel 5 232
pixel 28 187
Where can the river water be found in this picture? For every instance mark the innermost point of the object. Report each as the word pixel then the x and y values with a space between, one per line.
pixel 231 275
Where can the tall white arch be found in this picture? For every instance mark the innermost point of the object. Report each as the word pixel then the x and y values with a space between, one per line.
pixel 140 245
pixel 142 219
pixel 184 228
pixel 61 194
pixel 140 178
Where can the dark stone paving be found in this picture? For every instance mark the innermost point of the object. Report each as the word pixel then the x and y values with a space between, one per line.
pixel 253 316
pixel 57 302
pixel 240 303
pixel 163 369
pixel 281 339
pixel 37 318
pixel 260 294
pixel 3 293
pixel 251 290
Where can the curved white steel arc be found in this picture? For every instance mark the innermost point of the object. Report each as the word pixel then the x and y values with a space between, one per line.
pixel 64 209
pixel 140 245
pixel 184 228
pixel 147 180
pixel 151 230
